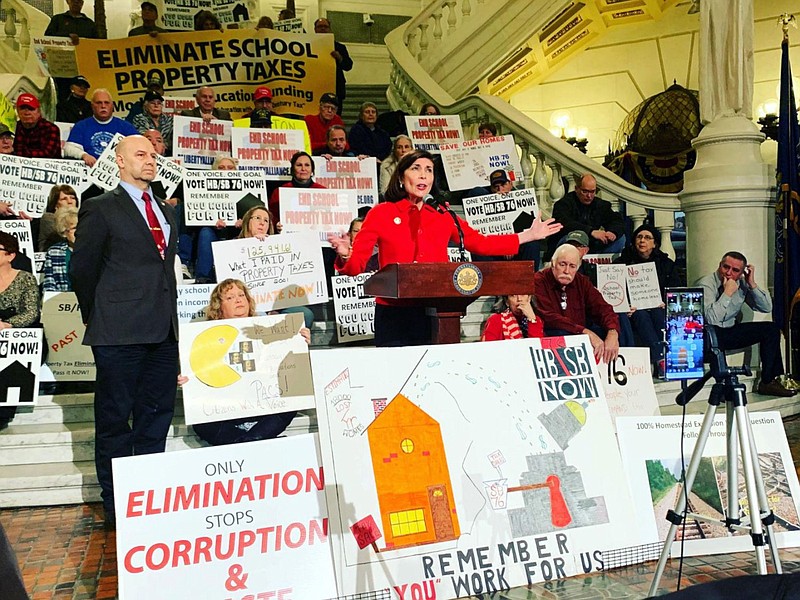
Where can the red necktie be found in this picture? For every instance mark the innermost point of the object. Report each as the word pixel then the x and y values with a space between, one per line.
pixel 155 226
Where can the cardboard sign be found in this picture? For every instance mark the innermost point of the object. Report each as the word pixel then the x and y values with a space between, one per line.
pixel 180 533
pixel 502 213
pixel 105 172
pixel 211 196
pixel 611 283
pixel 245 367
pixel 501 454
pixel 427 132
pixel 468 164
pixel 26 182
pixel 20 359
pixel 195 143
pixel 193 301
pixel 628 384
pixel 321 211
pixel 651 455
pixel 354 310
pixel 67 358
pixel 349 173
pixel 282 270
pixel 268 150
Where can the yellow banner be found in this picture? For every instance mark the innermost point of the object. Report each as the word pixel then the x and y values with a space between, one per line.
pixel 298 68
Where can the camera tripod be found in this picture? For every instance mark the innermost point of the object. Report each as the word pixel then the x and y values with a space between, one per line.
pixel 759 518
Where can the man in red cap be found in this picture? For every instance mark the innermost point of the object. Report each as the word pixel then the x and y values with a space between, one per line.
pixel 35 137
pixel 262 98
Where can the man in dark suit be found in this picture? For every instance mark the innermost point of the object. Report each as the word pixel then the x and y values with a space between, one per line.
pixel 122 271
pixel 206 108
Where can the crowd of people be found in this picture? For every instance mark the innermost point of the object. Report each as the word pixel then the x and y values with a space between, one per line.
pixel 116 249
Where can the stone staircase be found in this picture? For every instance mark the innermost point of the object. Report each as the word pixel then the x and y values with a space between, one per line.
pixel 357 95
pixel 47 453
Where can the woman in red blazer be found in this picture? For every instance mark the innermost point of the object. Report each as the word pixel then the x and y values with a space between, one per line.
pixel 406 230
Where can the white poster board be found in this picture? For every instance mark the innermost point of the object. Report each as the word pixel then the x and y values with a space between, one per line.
pixel 611 284
pixel 211 196
pixel 281 271
pixel 21 229
pixel 468 164
pixel 268 150
pixel 291 25
pixel 195 142
pixel 428 132
pixel 278 501
pixel 643 289
pixel 628 384
pixel 20 359
pixel 324 212
pixel 500 454
pixel 193 301
pixel 105 172
pixel 175 105
pixel 26 182
pixel 513 212
pixel 354 310
pixel 245 367
pixel 67 359
pixel 179 15
pixel 651 455
pixel 349 173
pixel 56 56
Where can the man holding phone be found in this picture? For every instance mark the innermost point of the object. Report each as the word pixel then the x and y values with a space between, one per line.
pixel 724 292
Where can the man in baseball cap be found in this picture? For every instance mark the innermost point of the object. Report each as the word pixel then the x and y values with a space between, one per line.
pixel 75 107
pixel 35 137
pixel 319 124
pixel 499 182
pixel 6 140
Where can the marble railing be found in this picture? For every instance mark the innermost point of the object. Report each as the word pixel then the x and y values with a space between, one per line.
pixel 446 32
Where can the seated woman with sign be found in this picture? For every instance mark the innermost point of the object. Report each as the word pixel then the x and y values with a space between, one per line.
pixel 408 227
pixel 648 325
pixel 231 299
pixel 257 223
pixel 302 170
pixel 56 262
pixel 514 318
pixel 61 196
pixel 19 300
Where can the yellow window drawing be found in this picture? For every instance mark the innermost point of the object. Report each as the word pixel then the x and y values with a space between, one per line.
pixel 406 522
pixel 407 446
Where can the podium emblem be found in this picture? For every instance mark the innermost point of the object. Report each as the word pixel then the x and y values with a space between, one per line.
pixel 467 279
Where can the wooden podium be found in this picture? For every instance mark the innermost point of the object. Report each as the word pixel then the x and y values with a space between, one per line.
pixel 447 289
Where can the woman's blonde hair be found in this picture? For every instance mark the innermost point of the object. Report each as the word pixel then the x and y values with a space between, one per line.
pixel 245 232
pixel 214 312
pixel 65 216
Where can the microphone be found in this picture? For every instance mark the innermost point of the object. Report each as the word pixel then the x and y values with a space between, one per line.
pixel 444 208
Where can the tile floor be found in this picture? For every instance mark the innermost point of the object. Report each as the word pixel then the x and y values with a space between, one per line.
pixel 64 552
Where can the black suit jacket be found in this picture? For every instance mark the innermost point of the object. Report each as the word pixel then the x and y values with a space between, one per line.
pixel 126 291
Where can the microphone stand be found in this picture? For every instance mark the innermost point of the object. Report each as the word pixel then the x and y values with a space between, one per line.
pixel 442 208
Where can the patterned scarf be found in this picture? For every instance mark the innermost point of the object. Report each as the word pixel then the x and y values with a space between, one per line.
pixel 511 327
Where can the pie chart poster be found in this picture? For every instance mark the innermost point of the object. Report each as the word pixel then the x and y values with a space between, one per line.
pixel 224 523
pixel 246 367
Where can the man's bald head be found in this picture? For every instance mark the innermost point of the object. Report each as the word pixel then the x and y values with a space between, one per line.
pixel 136 159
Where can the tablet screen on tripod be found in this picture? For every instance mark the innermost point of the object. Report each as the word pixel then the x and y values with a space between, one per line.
pixel 684 327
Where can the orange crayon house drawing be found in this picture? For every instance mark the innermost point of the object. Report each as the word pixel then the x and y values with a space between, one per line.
pixel 411 476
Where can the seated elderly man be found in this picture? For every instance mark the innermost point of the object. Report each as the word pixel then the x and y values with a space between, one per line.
pixel 570 305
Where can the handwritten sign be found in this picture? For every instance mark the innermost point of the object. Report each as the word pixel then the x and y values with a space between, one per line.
pixel 26 182
pixel 427 132
pixel 321 211
pixel 211 196
pixel 245 367
pixel 281 271
pixel 469 163
pixel 502 213
pixel 195 142
pixel 643 288
pixel 105 172
pixel 67 358
pixel 349 173
pixel 628 384
pixel 366 532
pixel 268 150
pixel 611 283
pixel 354 310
